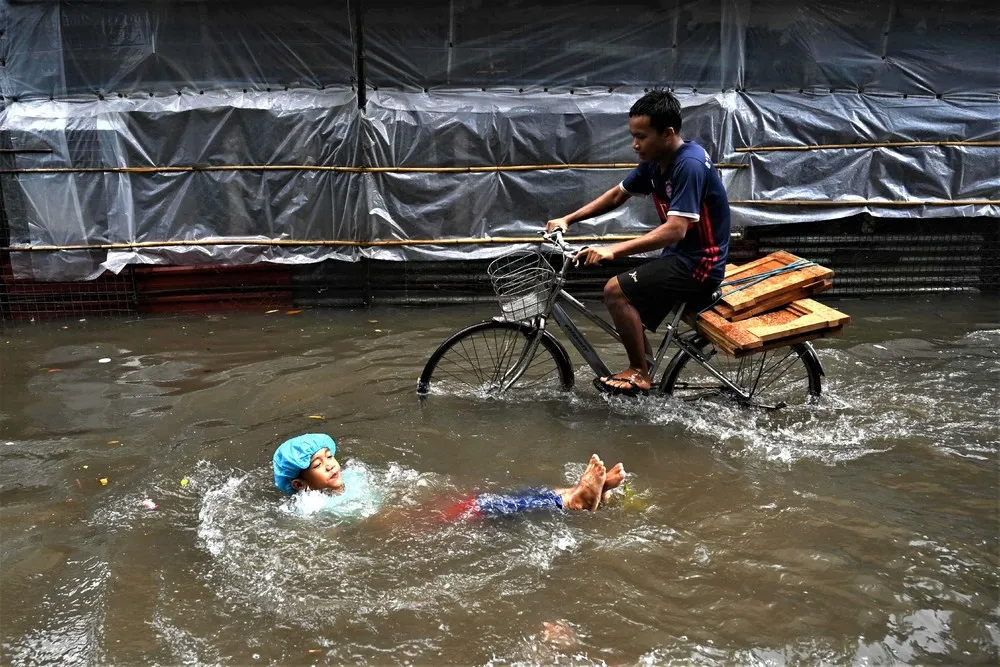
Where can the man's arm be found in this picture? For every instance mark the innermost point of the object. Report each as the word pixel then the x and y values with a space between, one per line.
pixel 609 201
pixel 667 234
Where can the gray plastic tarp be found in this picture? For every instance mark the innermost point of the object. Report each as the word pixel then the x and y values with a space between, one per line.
pixel 233 121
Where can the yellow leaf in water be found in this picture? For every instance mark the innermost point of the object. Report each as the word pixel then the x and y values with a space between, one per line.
pixel 315 650
pixel 378 331
pixel 316 417
pixel 104 481
pixel 184 482
pixel 273 310
pixel 113 442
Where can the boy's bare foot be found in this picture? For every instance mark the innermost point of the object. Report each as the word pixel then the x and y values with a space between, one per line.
pixel 586 495
pixel 614 479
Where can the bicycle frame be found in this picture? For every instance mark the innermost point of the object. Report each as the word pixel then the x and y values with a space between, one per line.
pixel 554 308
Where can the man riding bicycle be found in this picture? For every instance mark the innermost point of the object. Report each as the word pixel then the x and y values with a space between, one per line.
pixel 691 203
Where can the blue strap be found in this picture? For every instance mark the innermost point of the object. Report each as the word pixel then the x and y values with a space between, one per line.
pixel 750 281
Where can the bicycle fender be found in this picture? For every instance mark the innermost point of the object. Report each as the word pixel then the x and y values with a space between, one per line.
pixel 813 357
pixel 563 354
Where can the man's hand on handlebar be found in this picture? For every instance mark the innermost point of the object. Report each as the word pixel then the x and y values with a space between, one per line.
pixel 592 256
pixel 557 223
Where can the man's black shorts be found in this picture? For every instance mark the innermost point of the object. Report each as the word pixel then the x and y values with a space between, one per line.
pixel 655 287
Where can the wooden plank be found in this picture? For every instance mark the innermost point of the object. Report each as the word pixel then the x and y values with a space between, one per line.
pixel 797 318
pixel 736 300
pixel 792 321
pixel 740 299
pixel 726 334
pixel 813 335
pixel 810 289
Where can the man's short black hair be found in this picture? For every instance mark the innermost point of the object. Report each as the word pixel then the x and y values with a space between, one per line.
pixel 662 108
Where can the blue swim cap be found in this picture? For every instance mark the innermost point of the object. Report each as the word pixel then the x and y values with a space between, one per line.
pixel 293 456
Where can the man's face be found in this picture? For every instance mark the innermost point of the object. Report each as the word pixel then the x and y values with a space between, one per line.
pixel 323 474
pixel 649 145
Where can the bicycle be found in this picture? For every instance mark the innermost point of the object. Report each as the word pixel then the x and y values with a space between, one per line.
pixel 491 357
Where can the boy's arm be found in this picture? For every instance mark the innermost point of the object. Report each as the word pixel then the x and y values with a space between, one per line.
pixel 688 179
pixel 667 234
pixel 609 201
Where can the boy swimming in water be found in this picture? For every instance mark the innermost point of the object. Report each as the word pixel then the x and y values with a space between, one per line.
pixel 307 463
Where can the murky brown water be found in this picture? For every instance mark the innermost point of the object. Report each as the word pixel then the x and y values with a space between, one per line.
pixel 862 529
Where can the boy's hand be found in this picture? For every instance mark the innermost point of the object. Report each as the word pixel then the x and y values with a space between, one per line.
pixel 591 256
pixel 557 223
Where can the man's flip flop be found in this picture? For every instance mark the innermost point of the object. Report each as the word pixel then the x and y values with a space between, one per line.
pixel 632 390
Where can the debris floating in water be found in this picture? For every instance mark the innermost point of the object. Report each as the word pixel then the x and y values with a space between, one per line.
pixel 273 310
pixel 184 482
pixel 148 504
pixel 114 442
pixel 316 417
pixel 292 312
pixel 104 481
pixel 104 360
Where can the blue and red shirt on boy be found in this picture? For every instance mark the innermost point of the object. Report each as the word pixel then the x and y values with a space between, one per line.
pixel 692 189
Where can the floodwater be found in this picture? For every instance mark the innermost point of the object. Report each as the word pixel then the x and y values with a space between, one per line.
pixel 862 529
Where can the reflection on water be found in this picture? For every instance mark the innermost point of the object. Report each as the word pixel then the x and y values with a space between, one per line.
pixel 861 529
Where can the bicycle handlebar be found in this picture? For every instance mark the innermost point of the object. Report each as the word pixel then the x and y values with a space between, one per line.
pixel 555 238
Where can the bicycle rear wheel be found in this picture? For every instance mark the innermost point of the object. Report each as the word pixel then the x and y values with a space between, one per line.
pixel 476 360
pixel 778 378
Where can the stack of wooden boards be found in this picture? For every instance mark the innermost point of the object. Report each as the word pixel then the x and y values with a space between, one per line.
pixel 774 311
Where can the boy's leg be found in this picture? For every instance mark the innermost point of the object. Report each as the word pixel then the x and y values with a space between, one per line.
pixel 593 485
pixel 628 322
pixel 640 299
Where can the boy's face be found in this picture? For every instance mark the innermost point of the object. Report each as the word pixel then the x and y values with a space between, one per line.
pixel 323 474
pixel 648 144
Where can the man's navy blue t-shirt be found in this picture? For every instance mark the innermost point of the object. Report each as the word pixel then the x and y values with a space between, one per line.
pixel 692 190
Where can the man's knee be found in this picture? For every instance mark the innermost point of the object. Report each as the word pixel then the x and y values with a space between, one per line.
pixel 613 291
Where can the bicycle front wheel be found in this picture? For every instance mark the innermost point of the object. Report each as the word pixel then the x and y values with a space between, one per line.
pixel 778 378
pixel 478 359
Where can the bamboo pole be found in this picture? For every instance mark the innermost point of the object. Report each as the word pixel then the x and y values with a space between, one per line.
pixel 477 241
pixel 319 243
pixel 890 144
pixel 864 202
pixel 334 168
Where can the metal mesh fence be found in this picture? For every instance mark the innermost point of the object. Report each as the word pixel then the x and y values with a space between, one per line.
pixel 874 256
pixel 29 300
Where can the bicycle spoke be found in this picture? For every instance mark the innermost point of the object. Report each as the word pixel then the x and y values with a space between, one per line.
pixel 775 378
pixel 777 374
pixel 503 364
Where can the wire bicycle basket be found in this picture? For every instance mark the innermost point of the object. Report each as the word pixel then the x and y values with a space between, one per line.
pixel 522 280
